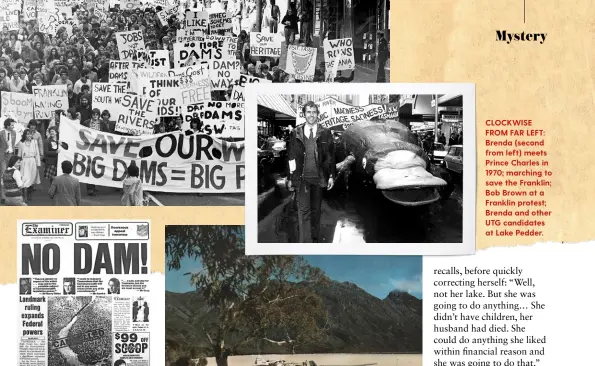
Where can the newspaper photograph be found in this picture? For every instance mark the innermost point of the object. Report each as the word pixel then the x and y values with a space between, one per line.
pixel 84 293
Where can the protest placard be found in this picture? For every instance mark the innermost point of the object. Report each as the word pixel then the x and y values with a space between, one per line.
pixel 219 119
pixel 29 10
pixel 49 98
pixel 224 73
pixel 130 4
pixel 169 162
pixel 18 106
pixel 134 114
pixel 340 51
pixel 220 22
pixel 301 62
pixel 118 70
pixel 167 13
pixel 265 44
pixel 129 43
pixel 195 20
pixel 166 91
pixel 336 115
pixel 192 53
pixel 247 79
pixel 9 21
pixel 154 59
pixel 228 43
pixel 48 20
pixel 237 94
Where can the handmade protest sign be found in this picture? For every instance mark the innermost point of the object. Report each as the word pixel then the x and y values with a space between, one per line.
pixel 118 70
pixel 130 4
pixel 336 115
pixel 29 9
pixel 49 98
pixel 10 21
pixel 247 79
pixel 301 62
pixel 210 48
pixel 265 44
pixel 48 20
pixel 134 114
pixel 169 162
pixel 339 51
pixel 224 73
pixel 166 91
pixel 237 94
pixel 129 43
pixel 165 14
pixel 391 111
pixel 185 37
pixel 18 106
pixel 219 119
pixel 195 83
pixel 229 45
pixel 154 59
pixel 220 22
pixel 195 20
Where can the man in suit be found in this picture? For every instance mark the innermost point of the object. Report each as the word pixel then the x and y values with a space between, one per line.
pixel 65 189
pixel 311 163
pixel 113 286
pixel 8 141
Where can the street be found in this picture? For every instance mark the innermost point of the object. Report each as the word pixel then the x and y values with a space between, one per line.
pixel 364 216
pixel 107 196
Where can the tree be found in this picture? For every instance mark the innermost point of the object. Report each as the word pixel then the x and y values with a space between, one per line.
pixel 255 298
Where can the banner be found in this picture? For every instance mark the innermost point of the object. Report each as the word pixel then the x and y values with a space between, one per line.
pixel 301 62
pixel 220 22
pixel 391 111
pixel 340 51
pixel 129 43
pixel 336 115
pixel 48 99
pixel 195 20
pixel 135 114
pixel 18 106
pixel 265 44
pixel 169 162
pixel 224 73
pixel 85 292
pixel 155 59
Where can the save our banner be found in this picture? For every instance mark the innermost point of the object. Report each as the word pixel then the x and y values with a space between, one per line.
pixel 336 115
pixel 169 162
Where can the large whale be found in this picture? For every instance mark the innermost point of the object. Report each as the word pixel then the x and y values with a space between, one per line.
pixel 391 155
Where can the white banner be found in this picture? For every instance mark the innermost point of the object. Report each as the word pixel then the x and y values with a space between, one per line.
pixel 301 62
pixel 209 48
pixel 86 292
pixel 170 162
pixel 265 44
pixel 134 114
pixel 337 115
pixel 339 51
pixel 48 99
pixel 129 43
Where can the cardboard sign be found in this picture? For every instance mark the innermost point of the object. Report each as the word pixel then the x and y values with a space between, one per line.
pixel 154 59
pixel 130 4
pixel 219 119
pixel 129 43
pixel 339 51
pixel 220 22
pixel 301 62
pixel 169 162
pixel 195 20
pixel 10 21
pixel 237 94
pixel 135 115
pixel 247 79
pixel 167 93
pixel 336 115
pixel 228 43
pixel 49 98
pixel 165 14
pixel 192 53
pixel 18 106
pixel 224 73
pixel 118 70
pixel 265 44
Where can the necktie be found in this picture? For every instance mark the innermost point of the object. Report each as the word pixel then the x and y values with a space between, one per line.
pixel 311 133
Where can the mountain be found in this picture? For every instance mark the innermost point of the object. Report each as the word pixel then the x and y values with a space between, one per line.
pixel 360 322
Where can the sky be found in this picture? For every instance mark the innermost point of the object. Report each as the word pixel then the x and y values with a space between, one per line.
pixel 377 275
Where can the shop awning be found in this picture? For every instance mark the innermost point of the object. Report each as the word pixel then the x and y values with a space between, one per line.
pixel 276 103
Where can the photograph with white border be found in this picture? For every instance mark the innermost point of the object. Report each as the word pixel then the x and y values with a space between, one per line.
pixel 365 169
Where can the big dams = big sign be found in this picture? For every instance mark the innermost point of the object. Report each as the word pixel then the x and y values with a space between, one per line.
pixel 338 116
pixel 169 162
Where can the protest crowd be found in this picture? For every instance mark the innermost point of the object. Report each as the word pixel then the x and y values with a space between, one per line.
pixel 79 48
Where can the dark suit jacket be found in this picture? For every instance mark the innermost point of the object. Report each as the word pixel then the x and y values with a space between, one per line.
pixel 325 154
pixel 65 190
pixel 4 141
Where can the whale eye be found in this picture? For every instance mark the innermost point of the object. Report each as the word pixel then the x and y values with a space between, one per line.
pixel 364 162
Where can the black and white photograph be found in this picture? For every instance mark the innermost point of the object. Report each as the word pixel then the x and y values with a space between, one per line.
pixel 69 286
pixel 123 103
pixel 113 286
pixel 79 331
pixel 25 286
pixel 83 231
pixel 331 171
pixel 140 310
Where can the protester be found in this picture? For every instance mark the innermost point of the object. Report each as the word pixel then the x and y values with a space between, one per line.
pixel 29 152
pixel 133 188
pixel 65 189
pixel 51 149
pixel 13 183
pixel 8 143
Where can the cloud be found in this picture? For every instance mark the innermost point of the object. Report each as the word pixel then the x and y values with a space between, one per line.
pixel 409 285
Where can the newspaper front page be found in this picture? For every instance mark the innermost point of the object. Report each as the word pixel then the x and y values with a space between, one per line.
pixel 84 293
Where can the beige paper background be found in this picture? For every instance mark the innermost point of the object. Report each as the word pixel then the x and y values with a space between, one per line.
pixel 452 41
